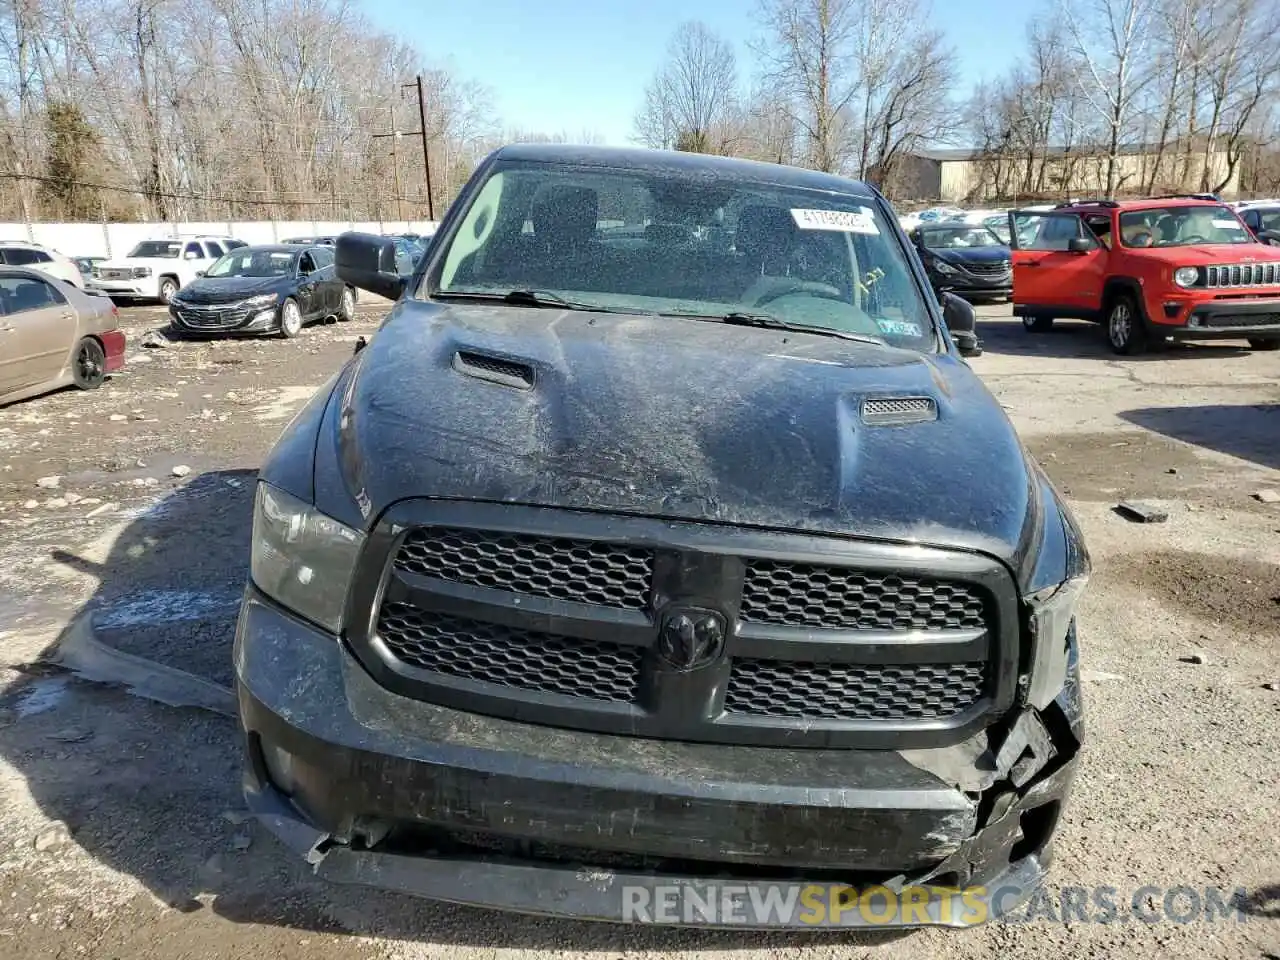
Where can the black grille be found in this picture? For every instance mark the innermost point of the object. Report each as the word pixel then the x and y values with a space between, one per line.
pixel 551 617
pixel 836 691
pixel 1243 320
pixel 996 269
pixel 833 597
pixel 212 317
pixel 583 571
pixel 526 660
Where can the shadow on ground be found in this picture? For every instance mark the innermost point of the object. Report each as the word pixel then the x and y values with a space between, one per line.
pixel 1077 339
pixel 1248 431
pixel 152 791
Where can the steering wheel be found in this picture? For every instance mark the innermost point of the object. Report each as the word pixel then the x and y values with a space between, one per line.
pixel 822 291
pixel 1195 237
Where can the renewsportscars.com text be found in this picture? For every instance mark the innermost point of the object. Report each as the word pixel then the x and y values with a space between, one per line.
pixel 816 905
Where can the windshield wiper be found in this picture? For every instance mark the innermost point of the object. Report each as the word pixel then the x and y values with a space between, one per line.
pixel 742 318
pixel 522 298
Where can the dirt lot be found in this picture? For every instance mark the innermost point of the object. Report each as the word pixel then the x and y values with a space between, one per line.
pixel 149 524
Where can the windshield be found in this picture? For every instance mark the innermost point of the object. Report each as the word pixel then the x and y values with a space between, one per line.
pixel 1180 226
pixel 957 238
pixel 254 263
pixel 661 242
pixel 1268 220
pixel 1000 227
pixel 165 249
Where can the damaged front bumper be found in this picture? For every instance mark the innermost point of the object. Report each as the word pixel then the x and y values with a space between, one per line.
pixel 374 788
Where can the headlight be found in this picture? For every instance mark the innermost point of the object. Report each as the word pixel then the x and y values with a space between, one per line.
pixel 261 300
pixel 944 268
pixel 142 271
pixel 1186 276
pixel 301 558
pixel 1052 611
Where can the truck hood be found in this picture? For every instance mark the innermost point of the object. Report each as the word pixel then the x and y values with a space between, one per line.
pixel 685 419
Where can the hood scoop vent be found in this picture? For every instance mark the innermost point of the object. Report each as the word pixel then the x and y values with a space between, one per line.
pixel 896 411
pixel 483 366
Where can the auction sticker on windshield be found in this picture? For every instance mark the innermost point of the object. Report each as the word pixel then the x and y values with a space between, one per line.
pixel 842 221
pixel 899 328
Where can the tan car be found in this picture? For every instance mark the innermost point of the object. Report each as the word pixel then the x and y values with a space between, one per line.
pixel 54 335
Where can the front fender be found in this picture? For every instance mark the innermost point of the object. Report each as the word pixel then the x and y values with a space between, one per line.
pixel 290 464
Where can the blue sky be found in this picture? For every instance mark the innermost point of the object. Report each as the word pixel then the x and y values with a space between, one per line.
pixel 573 65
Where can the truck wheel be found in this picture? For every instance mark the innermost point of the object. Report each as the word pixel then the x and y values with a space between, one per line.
pixel 168 287
pixel 89 365
pixel 348 309
pixel 1265 344
pixel 290 319
pixel 1125 330
pixel 1037 324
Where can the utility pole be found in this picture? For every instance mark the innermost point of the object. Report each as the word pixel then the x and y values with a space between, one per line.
pixel 426 153
pixel 420 132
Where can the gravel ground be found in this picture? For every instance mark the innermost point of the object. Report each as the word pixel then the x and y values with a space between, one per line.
pixel 148 522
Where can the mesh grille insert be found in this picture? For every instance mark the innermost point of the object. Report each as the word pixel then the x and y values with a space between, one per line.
pixel 898 409
pixel 582 571
pixel 838 691
pixel 495 367
pixel 839 598
pixel 507 657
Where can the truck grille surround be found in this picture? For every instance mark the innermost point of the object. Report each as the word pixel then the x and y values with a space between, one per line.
pixel 555 617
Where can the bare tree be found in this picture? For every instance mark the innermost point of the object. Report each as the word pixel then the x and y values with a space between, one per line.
pixel 867 82
pixel 807 52
pixel 690 99
pixel 1242 76
pixel 239 108
pixel 913 108
pixel 1109 36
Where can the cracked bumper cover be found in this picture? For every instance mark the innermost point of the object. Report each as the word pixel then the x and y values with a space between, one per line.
pixel 343 771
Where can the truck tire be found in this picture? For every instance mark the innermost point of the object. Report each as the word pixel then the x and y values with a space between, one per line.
pixel 168 287
pixel 1126 329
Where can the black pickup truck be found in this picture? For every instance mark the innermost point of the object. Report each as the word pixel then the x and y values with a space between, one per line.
pixel 661 537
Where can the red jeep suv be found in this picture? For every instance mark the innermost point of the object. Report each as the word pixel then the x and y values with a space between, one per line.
pixel 1181 268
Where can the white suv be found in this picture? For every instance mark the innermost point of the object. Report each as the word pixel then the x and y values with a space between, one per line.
pixel 157 269
pixel 15 253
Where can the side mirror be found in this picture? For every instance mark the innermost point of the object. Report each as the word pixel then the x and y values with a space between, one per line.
pixel 199 273
pixel 962 323
pixel 368 262
pixel 1079 245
